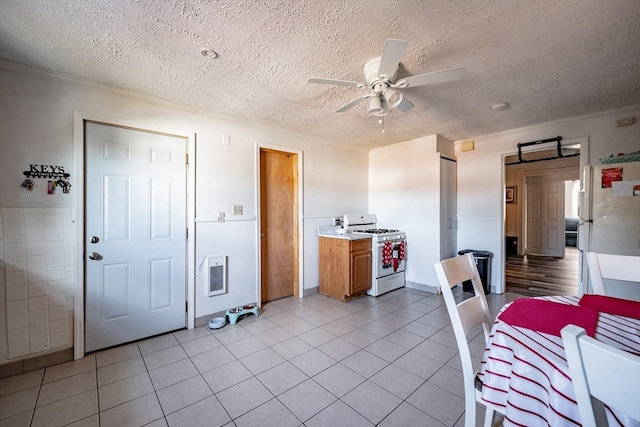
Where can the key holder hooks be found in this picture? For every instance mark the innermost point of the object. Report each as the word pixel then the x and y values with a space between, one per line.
pixel 28 183
pixel 56 179
pixel 64 183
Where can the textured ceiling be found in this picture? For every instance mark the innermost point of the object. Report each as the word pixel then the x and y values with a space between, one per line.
pixel 548 59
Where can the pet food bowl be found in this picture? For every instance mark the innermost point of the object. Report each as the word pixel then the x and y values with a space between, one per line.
pixel 217 322
pixel 236 313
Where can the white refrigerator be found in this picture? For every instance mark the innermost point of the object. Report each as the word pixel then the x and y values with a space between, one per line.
pixel 609 213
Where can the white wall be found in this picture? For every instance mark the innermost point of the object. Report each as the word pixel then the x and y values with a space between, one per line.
pixel 571 189
pixel 481 179
pixel 404 193
pixel 36 127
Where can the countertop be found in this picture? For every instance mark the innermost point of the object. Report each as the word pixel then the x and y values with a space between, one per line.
pixel 332 231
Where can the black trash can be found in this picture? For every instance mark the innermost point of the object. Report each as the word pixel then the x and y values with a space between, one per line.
pixel 483 261
pixel 512 245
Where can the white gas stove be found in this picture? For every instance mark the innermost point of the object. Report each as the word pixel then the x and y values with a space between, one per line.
pixel 388 252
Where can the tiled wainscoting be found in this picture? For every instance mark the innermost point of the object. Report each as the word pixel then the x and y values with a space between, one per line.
pixel 37 279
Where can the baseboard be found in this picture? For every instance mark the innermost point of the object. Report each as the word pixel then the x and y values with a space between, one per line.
pixel 424 288
pixel 310 291
pixel 35 363
pixel 204 320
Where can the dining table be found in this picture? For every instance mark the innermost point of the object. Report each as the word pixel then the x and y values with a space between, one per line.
pixel 524 370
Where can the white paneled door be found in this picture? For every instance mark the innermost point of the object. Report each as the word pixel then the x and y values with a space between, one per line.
pixel 135 234
pixel 545 217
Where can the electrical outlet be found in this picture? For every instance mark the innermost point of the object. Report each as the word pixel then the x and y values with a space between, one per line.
pixel 626 122
pixel 221 217
pixel 237 209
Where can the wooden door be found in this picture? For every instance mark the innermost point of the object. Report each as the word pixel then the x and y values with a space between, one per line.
pixel 278 224
pixel 135 236
pixel 545 217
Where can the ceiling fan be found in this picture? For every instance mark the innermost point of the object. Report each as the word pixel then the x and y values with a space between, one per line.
pixel 380 76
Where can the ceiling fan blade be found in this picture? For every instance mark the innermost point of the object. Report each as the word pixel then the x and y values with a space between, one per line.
pixel 335 82
pixel 431 78
pixel 352 103
pixel 393 51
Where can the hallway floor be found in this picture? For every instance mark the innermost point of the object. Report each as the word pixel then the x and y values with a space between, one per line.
pixel 385 361
pixel 533 275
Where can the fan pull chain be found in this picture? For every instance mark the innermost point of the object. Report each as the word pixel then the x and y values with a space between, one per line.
pixel 381 121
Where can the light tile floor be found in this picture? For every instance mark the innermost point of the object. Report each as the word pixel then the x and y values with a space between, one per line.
pixel 385 361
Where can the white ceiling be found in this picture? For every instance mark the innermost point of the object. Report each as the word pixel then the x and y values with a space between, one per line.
pixel 549 59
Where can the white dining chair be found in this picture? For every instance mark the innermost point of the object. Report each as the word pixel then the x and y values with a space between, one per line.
pixel 466 316
pixel 606 267
pixel 601 375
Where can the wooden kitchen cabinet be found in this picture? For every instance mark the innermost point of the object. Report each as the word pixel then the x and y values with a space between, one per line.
pixel 345 267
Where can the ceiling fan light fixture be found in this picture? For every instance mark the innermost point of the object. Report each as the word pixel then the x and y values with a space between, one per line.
pixel 375 106
pixel 393 97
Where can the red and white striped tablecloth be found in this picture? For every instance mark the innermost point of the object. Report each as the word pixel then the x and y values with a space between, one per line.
pixel 525 373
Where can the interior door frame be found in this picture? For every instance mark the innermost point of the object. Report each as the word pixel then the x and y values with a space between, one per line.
pixel 79 119
pixel 300 219
pixel 501 231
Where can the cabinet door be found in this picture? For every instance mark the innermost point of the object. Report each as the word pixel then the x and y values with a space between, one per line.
pixel 360 271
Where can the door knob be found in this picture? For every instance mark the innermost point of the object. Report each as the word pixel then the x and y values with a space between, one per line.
pixel 95 256
pixel 95 239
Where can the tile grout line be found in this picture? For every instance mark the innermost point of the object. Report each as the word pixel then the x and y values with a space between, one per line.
pixel 295 309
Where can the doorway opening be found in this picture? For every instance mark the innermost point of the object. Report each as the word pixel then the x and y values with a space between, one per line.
pixel 541 220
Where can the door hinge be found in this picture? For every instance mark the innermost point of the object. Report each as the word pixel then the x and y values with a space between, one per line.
pixel 186 306
pixel 186 232
pixel 186 158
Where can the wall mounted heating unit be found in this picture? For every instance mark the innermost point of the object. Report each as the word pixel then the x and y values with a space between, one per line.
pixel 217 275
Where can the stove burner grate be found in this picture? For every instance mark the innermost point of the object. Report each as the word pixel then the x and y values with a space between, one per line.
pixel 376 231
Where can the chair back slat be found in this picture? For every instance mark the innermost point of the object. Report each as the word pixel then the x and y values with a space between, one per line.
pixel 601 375
pixel 472 313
